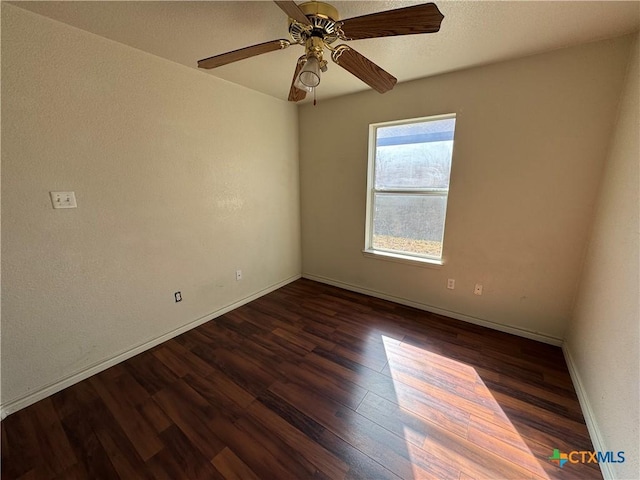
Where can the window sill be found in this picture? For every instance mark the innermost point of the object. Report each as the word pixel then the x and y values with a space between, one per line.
pixel 396 257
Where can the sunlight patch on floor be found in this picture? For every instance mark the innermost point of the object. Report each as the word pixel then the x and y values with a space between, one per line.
pixel 448 417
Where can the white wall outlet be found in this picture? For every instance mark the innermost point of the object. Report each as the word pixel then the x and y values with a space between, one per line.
pixel 478 289
pixel 238 275
pixel 63 199
pixel 451 284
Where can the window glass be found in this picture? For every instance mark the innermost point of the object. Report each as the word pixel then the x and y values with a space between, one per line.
pixel 413 224
pixel 410 162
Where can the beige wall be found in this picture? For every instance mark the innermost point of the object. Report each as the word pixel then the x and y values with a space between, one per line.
pixel 602 341
pixel 180 179
pixel 531 138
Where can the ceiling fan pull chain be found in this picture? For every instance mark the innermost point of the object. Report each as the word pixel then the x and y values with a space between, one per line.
pixel 314 97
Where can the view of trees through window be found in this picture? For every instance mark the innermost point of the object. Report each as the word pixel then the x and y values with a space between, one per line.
pixel 411 182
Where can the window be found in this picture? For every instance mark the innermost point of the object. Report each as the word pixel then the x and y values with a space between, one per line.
pixel 408 186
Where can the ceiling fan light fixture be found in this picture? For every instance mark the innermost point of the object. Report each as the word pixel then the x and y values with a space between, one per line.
pixel 309 77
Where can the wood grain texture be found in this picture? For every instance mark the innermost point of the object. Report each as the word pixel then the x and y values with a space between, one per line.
pixel 363 68
pixel 425 18
pixel 293 11
pixel 312 381
pixel 242 53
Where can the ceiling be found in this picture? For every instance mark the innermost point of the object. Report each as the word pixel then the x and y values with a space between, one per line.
pixel 472 33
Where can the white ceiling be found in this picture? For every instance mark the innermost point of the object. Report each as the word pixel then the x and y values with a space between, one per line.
pixel 472 33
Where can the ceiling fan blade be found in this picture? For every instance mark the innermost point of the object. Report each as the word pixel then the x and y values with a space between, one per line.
pixel 295 94
pixel 425 18
pixel 292 9
pixel 241 54
pixel 363 68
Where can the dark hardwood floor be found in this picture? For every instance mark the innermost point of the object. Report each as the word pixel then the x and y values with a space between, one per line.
pixel 312 381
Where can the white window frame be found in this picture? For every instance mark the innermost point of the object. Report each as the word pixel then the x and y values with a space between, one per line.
pixel 396 255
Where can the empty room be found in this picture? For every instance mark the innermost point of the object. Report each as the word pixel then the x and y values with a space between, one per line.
pixel 287 240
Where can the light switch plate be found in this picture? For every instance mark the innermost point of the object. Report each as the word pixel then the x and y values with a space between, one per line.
pixel 63 199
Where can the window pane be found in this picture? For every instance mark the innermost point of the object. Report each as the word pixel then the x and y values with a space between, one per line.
pixel 424 131
pixel 416 155
pixel 409 223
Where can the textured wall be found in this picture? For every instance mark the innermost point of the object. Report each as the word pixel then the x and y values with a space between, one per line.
pixel 180 179
pixel 531 138
pixel 604 335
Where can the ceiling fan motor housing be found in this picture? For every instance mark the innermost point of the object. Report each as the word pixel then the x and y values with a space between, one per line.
pixel 324 20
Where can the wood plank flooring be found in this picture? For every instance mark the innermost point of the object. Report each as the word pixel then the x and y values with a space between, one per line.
pixel 312 382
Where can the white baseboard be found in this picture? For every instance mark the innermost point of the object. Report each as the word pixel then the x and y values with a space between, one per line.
pixel 440 311
pixel 22 402
pixel 587 411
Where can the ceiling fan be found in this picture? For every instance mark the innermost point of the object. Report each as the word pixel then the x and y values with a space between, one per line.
pixel 317 25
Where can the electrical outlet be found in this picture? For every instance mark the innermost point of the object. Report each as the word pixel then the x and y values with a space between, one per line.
pixel 238 275
pixel 178 296
pixel 451 284
pixel 478 289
